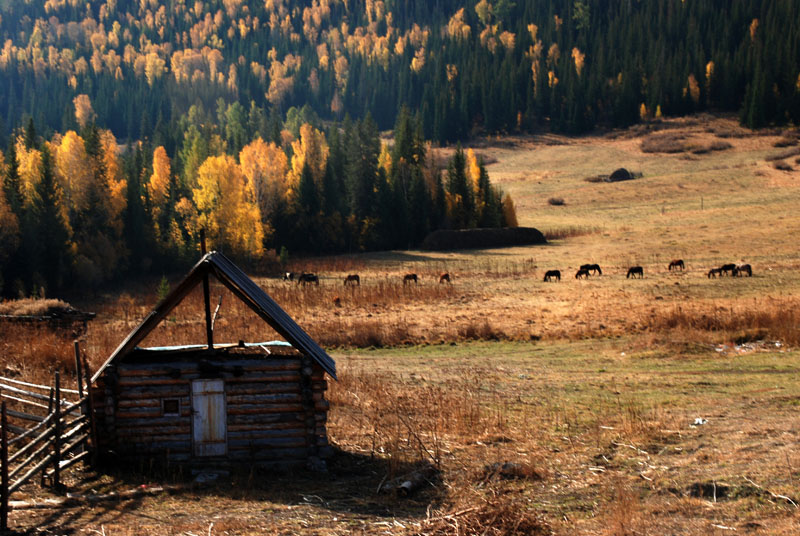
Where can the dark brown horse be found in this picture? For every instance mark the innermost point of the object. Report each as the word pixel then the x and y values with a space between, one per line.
pixel 742 269
pixel 306 278
pixel 592 268
pixel 352 279
pixel 727 269
pixel 549 275
pixel 633 271
pixel 582 273
pixel 444 276
pixel 408 278
pixel 677 263
pixel 714 272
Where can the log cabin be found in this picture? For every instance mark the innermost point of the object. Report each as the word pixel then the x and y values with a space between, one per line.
pixel 215 404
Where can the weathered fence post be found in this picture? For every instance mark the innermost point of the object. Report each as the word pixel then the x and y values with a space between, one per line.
pixel 4 476
pixel 78 368
pixel 57 435
pixel 90 409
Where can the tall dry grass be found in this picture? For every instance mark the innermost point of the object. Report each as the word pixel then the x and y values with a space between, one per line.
pixel 758 319
pixel 409 419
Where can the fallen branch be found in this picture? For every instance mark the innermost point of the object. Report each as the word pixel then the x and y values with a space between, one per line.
pixel 774 495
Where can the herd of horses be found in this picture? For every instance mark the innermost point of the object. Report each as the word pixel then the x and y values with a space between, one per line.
pixel 586 270
pixel 305 278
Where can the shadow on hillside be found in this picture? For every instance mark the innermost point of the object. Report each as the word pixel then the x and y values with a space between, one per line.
pixel 349 486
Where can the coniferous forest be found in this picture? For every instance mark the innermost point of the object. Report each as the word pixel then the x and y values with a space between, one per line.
pixel 128 126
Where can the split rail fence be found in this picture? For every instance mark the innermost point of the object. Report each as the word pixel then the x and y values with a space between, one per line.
pixel 47 431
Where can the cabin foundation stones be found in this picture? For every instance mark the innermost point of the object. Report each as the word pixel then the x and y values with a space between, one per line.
pixel 216 405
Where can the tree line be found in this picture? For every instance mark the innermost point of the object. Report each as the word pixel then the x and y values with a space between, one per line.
pixel 78 210
pixel 480 66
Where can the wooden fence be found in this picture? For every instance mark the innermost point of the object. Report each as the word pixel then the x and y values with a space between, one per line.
pixel 47 431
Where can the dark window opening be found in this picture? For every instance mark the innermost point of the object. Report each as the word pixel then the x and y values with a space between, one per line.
pixel 171 406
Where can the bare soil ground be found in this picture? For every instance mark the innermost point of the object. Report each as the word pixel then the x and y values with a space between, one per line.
pixel 666 405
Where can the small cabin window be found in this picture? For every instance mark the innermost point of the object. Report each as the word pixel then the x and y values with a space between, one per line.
pixel 171 406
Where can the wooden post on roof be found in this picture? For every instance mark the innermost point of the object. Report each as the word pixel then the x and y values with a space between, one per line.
pixel 206 297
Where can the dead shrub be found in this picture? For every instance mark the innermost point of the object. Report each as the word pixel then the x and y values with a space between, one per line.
pixel 720 146
pixel 560 233
pixel 624 512
pixel 556 201
pixel 669 143
pixel 786 141
pixel 480 331
pixel 496 512
pixel 782 165
pixel 783 155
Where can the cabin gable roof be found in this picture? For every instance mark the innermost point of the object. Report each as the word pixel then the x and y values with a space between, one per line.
pixel 230 275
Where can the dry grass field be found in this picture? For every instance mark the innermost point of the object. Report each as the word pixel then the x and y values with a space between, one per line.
pixel 548 408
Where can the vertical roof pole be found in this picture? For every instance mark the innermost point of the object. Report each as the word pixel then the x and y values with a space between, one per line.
pixel 206 297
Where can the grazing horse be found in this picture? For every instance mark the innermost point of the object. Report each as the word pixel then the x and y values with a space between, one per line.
pixel 582 273
pixel 727 269
pixel 634 270
pixel 549 275
pixel 306 278
pixel 677 263
pixel 352 279
pixel 714 272
pixel 743 269
pixel 592 268
pixel 288 276
pixel 408 278
pixel 444 276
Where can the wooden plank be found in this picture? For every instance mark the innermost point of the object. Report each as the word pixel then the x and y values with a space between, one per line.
pixel 32 431
pixel 23 401
pixel 265 453
pixel 65 464
pixel 144 431
pixel 24 416
pixel 35 469
pixel 35 386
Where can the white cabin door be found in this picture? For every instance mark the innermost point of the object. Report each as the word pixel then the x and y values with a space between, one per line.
pixel 209 418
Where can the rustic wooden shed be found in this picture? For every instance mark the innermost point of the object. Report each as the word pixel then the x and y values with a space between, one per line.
pixel 216 404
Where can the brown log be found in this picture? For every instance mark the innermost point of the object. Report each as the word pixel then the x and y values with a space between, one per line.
pixel 233 400
pixel 247 366
pixel 249 378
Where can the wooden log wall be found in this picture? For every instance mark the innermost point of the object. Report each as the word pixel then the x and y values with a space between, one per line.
pixel 276 408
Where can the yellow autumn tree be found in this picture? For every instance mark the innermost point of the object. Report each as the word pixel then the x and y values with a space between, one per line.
pixel 158 186
pixel 30 167
pixel 310 148
pixel 232 221
pixel 265 167
pixel 83 109
pixel 74 170
pixel 509 212
pixel 115 181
